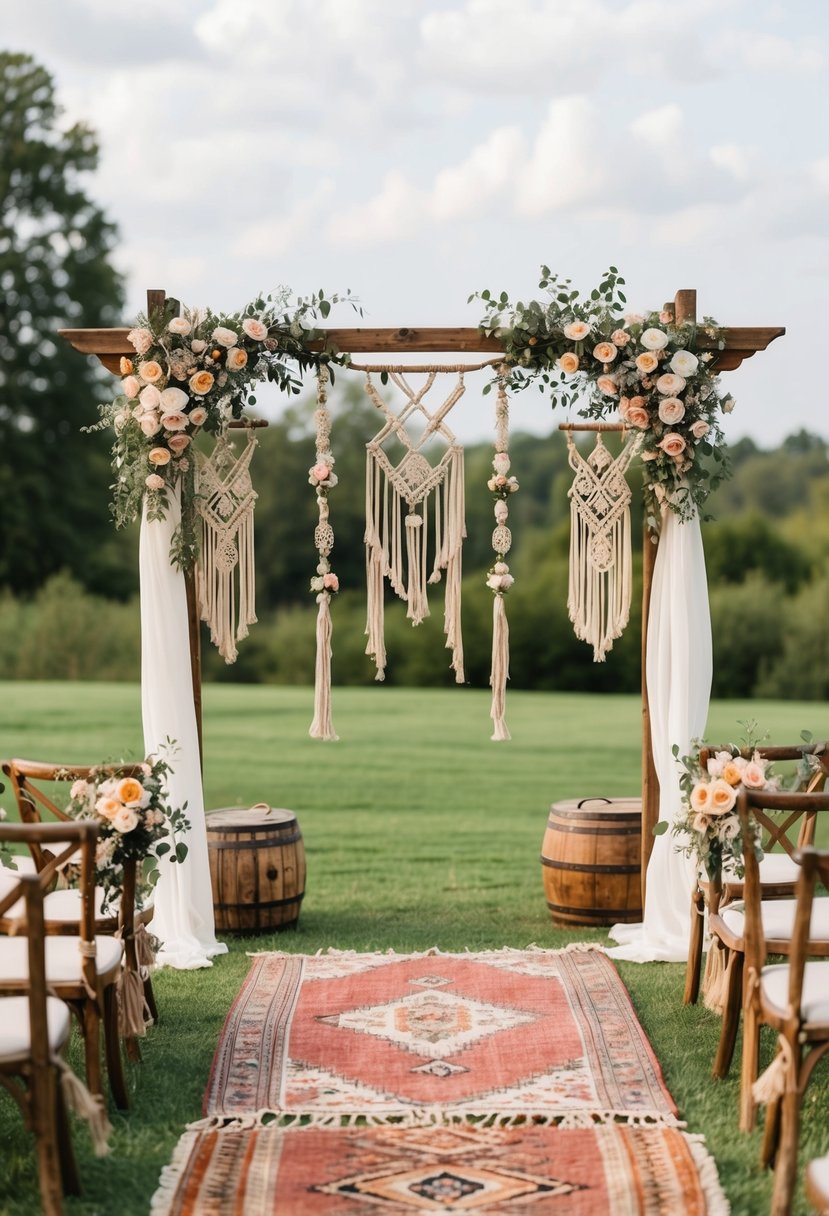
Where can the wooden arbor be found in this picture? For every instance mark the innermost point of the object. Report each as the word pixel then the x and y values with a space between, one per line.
pixel 109 345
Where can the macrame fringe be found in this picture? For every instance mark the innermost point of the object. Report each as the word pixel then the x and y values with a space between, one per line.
pixel 322 726
pixel 719 963
pixel 226 570
pixel 500 669
pixel 87 1106
pixel 778 1078
pixel 134 1014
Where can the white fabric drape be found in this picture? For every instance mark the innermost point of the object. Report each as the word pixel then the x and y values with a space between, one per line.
pixel 679 669
pixel 183 919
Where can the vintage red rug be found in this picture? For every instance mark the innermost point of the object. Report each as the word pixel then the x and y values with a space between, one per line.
pixel 607 1170
pixel 505 1032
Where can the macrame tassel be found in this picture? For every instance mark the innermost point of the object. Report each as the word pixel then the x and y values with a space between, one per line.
pixel 718 965
pixel 416 597
pixel 777 1078
pixel 225 502
pixel 87 1106
pixel 144 948
pixel 133 1012
pixel 322 726
pixel 500 669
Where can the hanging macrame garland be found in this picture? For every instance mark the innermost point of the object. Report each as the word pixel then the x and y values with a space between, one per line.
pixel 226 574
pixel 499 579
pixel 323 478
pixel 598 600
pixel 397 514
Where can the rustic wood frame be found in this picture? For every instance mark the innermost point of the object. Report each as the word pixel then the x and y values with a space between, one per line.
pixel 109 345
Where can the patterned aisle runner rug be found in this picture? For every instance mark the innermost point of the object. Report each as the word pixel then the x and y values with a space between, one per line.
pixel 609 1170
pixel 543 1032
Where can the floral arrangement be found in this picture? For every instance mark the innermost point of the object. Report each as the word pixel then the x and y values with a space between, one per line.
pixel 135 822
pixel 196 372
pixel 647 367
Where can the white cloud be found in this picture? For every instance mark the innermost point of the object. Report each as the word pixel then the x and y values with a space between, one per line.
pixel 393 214
pixel 567 165
pixel 484 176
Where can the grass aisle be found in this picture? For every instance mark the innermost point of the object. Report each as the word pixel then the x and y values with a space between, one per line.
pixel 418 832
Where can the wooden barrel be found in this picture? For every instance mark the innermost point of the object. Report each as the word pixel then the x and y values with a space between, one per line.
pixel 257 868
pixel 591 861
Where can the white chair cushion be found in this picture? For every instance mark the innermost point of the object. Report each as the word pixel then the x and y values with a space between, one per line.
pixel 819 1175
pixel 778 867
pixel 15 1034
pixel 65 906
pixel 778 918
pixel 63 958
pixel 815 1001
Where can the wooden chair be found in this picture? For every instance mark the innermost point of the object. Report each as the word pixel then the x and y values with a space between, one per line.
pixel 791 997
pixel 817 1184
pixel 34 1031
pixel 81 969
pixel 28 779
pixel 779 871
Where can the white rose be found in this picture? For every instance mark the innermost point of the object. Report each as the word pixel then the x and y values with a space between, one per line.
pixel 255 329
pixel 149 397
pixel 224 337
pixel 576 331
pixel 684 363
pixel 179 325
pixel 654 339
pixel 173 401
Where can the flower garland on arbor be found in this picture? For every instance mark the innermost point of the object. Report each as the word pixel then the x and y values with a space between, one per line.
pixel 586 350
pixel 196 372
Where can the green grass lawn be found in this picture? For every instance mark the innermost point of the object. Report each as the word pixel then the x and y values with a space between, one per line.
pixel 418 831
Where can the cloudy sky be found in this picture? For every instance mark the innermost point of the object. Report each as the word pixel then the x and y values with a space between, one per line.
pixel 418 150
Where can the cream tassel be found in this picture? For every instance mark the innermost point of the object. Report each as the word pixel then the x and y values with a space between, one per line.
pixel 144 949
pixel 86 1106
pixel 778 1078
pixel 718 966
pixel 133 1012
pixel 500 669
pixel 322 726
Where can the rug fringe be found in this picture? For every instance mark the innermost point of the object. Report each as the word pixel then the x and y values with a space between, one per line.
pixel 433 1117
pixel 716 1203
pixel 435 951
pixel 170 1176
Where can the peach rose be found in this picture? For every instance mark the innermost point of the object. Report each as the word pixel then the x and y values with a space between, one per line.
pixel 700 428
pixel 179 325
pixel 654 339
pixel 754 775
pixel 670 385
pixel 158 456
pixel 154 482
pixel 149 397
pixel 236 359
pixel 672 444
pixel 620 337
pixel 149 424
pixel 624 402
pixel 126 366
pixel 647 362
pixel 576 331
pixel 607 385
pixel 173 401
pixel 671 410
pixel 701 797
pixel 129 790
pixel 224 336
pixel 569 362
pixel 255 329
pixel 125 820
pixel 177 443
pixel 141 340
pixel 175 422
pixel 732 771
pixel 150 371
pixel 198 415
pixel 131 387
pixel 605 352
pixel 108 807
pixel 638 416
pixel 722 799
pixel 201 383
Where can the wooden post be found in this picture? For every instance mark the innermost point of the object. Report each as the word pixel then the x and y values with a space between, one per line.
pixel 157 301
pixel 684 308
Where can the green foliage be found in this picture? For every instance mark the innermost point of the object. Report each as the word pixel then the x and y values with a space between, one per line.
pixel 737 548
pixel 748 626
pixel 800 667
pixel 55 270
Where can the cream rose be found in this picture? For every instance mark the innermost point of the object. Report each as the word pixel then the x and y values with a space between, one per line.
pixel 197 346
pixel 654 339
pixel 255 329
pixel 198 415
pixel 576 331
pixel 236 359
pixel 125 820
pixel 141 340
pixel 569 362
pixel 149 397
pixel 605 352
pixel 175 422
pixel 201 383
pixel 671 410
pixel 620 337
pixel 684 363
pixel 607 385
pixel 723 797
pixel 150 371
pixel 224 337
pixel 131 387
pixel 700 428
pixel 670 384
pixel 154 482
pixel 173 401
pixel 672 444
pixel 647 362
pixel 177 443
pixel 150 424
pixel 158 456
pixel 179 325
pixel 638 416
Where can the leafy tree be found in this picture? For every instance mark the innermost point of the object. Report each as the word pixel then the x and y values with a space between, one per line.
pixel 55 244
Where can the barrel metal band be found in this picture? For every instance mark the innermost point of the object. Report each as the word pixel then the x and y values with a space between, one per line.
pixel 588 868
pixel 585 831
pixel 246 844
pixel 605 914
pixel 266 903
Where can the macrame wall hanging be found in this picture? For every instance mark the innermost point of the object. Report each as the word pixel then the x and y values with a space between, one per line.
pixel 599 595
pixel 225 575
pixel 499 579
pixel 399 493
pixel 325 583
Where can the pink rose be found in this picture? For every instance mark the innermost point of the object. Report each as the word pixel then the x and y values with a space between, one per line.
pixel 569 362
pixel 331 582
pixel 624 402
pixel 638 416
pixel 320 472
pixel 576 331
pixel 154 482
pixel 670 385
pixel 607 385
pixel 647 362
pixel 80 789
pixel 236 359
pixel 141 340
pixel 150 424
pixel 150 371
pixel 130 387
pixel 198 415
pixel 255 329
pixel 700 428
pixel 620 337
pixel 754 775
pixel 158 456
pixel 672 444
pixel 175 422
pixel 605 352
pixel 177 443
pixel 671 410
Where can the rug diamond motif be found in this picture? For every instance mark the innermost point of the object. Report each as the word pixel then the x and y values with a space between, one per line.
pixel 434 1023
pixel 463 1187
